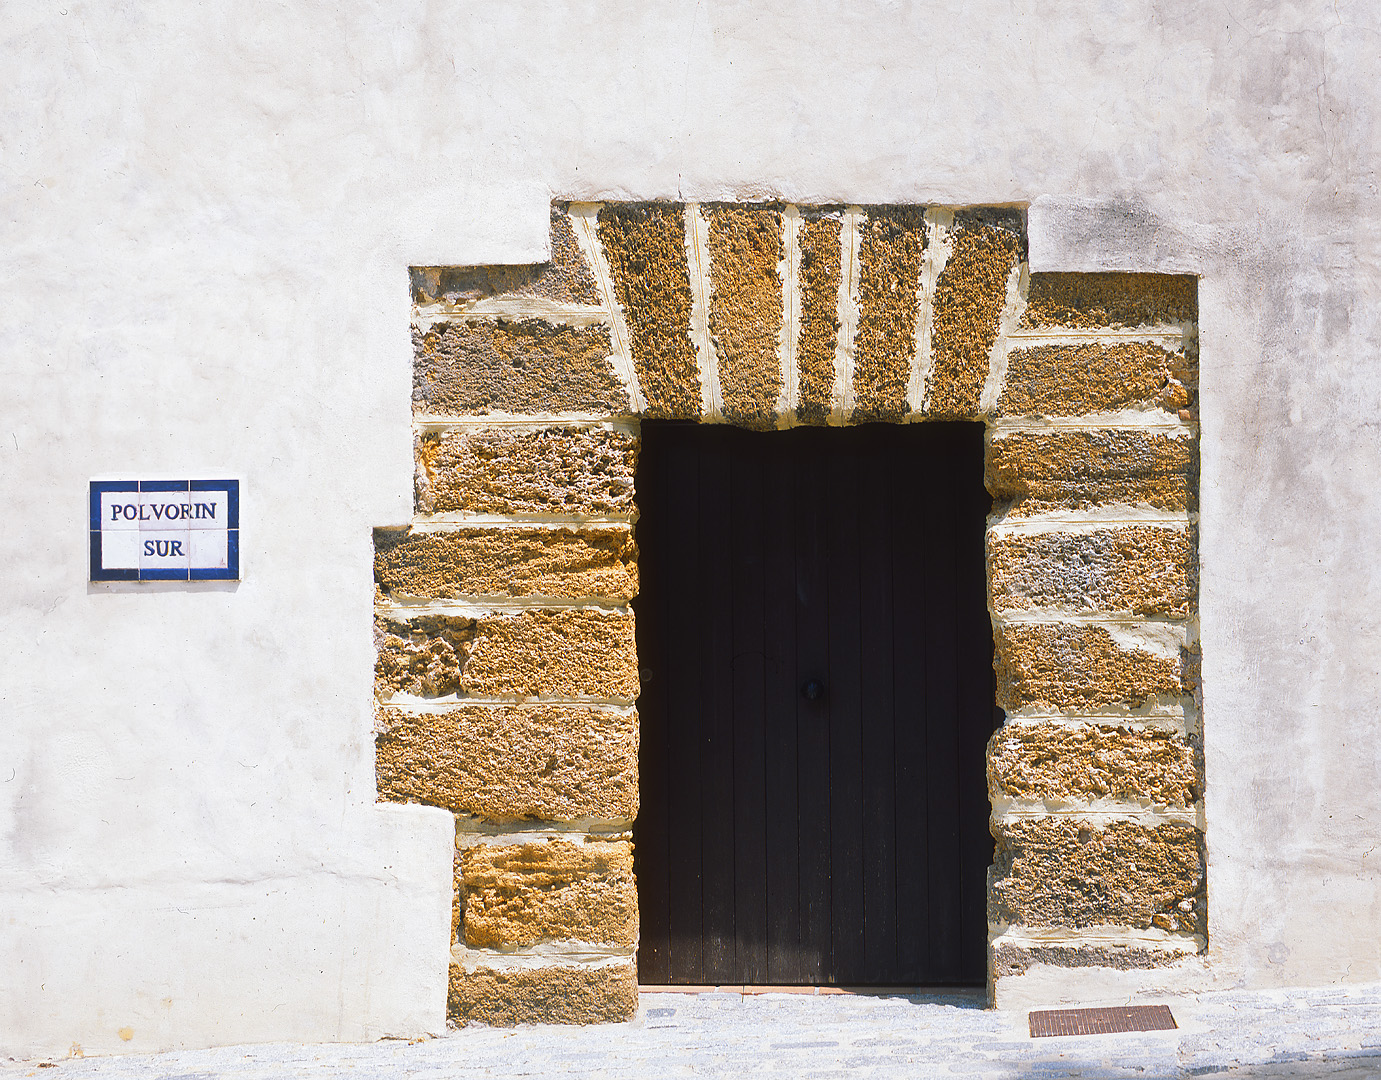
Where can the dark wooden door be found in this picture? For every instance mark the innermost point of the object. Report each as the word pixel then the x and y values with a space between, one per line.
pixel 817 691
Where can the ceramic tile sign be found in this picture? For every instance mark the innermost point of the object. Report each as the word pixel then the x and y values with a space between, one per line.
pixel 165 530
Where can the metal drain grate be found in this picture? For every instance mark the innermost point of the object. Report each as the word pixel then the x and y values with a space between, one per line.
pixel 1101 1021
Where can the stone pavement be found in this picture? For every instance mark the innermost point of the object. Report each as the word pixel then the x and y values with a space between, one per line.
pixel 1332 1033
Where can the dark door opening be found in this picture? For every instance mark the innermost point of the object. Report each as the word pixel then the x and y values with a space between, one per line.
pixel 816 660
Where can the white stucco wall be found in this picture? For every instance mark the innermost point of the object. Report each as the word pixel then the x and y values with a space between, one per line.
pixel 206 215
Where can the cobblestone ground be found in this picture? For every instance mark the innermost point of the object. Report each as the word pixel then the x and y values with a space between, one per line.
pixel 1334 1034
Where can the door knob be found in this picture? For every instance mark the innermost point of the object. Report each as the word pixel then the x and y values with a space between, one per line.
pixel 813 690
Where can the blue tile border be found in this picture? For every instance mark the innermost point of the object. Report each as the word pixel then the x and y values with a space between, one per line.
pixel 98 573
pixel 231 571
pixel 232 497
pixel 163 575
pixel 99 488
pixel 232 559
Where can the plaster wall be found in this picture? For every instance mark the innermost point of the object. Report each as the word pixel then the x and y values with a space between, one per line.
pixel 206 217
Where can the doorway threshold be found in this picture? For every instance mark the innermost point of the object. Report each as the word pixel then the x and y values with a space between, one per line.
pixel 976 992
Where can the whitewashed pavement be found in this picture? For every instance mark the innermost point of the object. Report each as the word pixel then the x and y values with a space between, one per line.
pixel 1332 1033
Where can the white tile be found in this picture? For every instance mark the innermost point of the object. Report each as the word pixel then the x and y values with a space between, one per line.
pixel 208 549
pixel 164 550
pixel 164 510
pixel 120 549
pixel 210 510
pixel 119 510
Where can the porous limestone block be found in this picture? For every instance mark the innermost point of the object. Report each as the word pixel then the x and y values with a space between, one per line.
pixel 745 246
pixel 1029 473
pixel 1054 871
pixel 890 246
pixel 583 652
pixel 1051 761
pixel 970 294
pixel 549 994
pixel 1009 958
pixel 1110 300
pixel 1092 377
pixel 566 279
pixel 516 895
pixel 507 763
pixel 555 561
pixel 423 655
pixel 466 367
pixel 817 336
pixel 645 247
pixel 562 653
pixel 1071 666
pixel 1139 569
pixel 503 470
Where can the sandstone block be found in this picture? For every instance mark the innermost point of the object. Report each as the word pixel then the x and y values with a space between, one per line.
pixel 1144 570
pixel 465 367
pixel 746 309
pixel 456 914
pixel 1067 666
pixel 555 470
pixel 1061 761
pixel 560 653
pixel 571 653
pixel 1071 380
pixel 1073 470
pixel 506 763
pixel 558 561
pixel 543 995
pixel 645 245
pixel 890 246
pixel 524 894
pixel 1010 959
pixel 818 334
pixel 1110 300
pixel 1054 871
pixel 424 655
pixel 970 294
pixel 566 279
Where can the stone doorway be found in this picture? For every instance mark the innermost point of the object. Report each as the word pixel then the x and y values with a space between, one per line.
pixel 507 665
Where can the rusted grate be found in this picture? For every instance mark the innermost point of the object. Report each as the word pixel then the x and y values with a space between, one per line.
pixel 1101 1021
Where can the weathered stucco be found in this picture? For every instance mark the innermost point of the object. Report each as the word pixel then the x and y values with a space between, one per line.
pixel 206 229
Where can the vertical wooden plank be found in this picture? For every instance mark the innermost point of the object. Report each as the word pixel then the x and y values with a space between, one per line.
pixel 683 714
pixel 942 741
pixel 911 489
pixel 715 606
pixel 748 673
pixel 650 841
pixel 880 443
pixel 845 704
pixel 780 765
pixel 813 717
pixel 977 701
